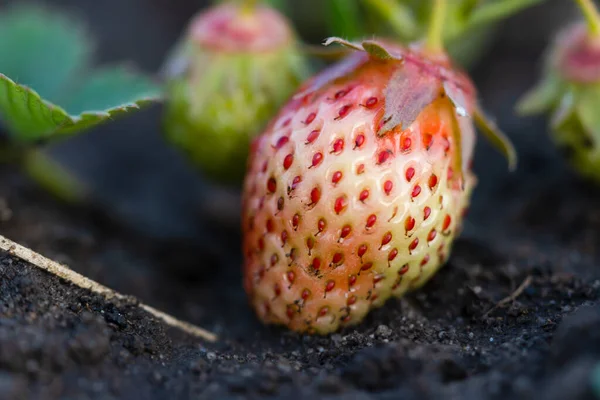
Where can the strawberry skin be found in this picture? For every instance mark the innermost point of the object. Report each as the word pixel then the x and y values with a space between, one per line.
pixel 342 210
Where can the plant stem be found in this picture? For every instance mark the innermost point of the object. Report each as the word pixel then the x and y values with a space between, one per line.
pixel 398 15
pixel 435 41
pixel 592 16
pixel 52 176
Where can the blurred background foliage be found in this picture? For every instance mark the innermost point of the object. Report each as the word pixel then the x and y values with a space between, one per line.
pixel 137 176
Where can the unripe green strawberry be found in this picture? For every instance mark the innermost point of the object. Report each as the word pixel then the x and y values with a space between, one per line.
pixel 357 189
pixel 235 67
pixel 570 92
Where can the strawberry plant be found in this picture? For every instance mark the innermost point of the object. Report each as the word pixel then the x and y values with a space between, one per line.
pixel 49 91
pixel 358 187
pixel 469 25
pixel 570 92
pixel 468 29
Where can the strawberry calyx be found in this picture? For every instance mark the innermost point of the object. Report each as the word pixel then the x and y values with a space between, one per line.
pixel 496 137
pixel 425 77
pixel 578 55
pixel 233 28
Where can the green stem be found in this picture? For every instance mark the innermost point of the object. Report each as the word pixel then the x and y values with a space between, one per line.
pixel 592 16
pixel 52 176
pixel 435 41
pixel 398 15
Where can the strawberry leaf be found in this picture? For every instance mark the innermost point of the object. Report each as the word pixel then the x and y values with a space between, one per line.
pixel 491 12
pixel 407 94
pixel 458 97
pixel 467 139
pixel 42 49
pixel 52 176
pixel 374 48
pixel 399 16
pixel 108 94
pixel 588 106
pixel 459 161
pixel 46 88
pixel 344 18
pixel 346 43
pixel 378 50
pixel 497 138
pixel 565 110
pixel 541 98
pixel 110 90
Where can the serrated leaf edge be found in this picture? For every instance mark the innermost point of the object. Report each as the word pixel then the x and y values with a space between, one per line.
pixel 71 120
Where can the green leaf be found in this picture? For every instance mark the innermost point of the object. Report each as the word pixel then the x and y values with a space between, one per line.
pixel 51 91
pixel 109 88
pixel 374 48
pixel 105 96
pixel 588 106
pixel 25 113
pixel 541 98
pixel 52 176
pixel 378 50
pixel 398 15
pixel 565 110
pixel 344 18
pixel 493 11
pixel 497 138
pixel 42 49
pixel 346 43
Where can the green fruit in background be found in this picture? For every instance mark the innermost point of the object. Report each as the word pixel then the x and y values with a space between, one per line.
pixel 570 92
pixel 236 65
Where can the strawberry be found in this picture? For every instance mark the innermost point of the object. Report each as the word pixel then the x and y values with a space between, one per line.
pixel 570 92
pixel 235 66
pixel 357 189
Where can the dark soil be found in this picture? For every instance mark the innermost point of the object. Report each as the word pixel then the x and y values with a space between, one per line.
pixel 446 341
pixel 455 338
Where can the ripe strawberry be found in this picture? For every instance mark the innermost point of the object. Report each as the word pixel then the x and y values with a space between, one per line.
pixel 236 65
pixel 570 92
pixel 356 190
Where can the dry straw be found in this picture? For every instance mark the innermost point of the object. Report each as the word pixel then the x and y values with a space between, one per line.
pixel 81 281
